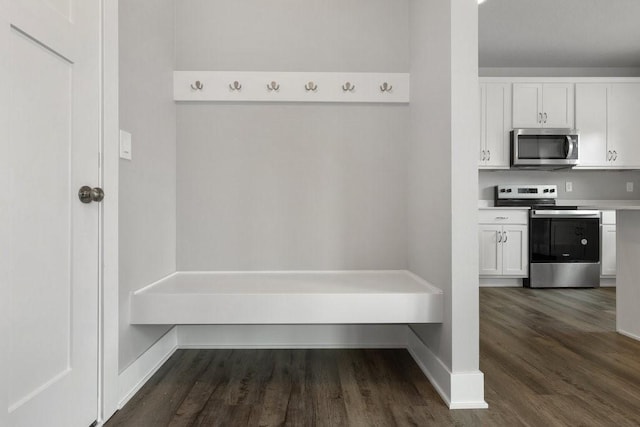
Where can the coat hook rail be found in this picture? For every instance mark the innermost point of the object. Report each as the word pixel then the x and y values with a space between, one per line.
pixel 311 87
pixel 273 86
pixel 198 85
pixel 236 86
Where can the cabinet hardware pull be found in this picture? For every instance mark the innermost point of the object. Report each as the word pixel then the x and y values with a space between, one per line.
pixel 198 85
pixel 540 118
pixel 545 117
pixel 499 237
pixel 311 87
pixel 608 155
pixel 489 155
pixel 505 237
pixel 484 156
pixel 386 87
pixel 615 155
pixel 235 86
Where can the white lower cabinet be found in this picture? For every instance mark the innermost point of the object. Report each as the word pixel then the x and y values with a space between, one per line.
pixel 608 242
pixel 503 238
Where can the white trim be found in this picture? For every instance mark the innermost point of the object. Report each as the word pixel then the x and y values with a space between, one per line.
pixel 502 282
pixel 291 336
pixel 559 79
pixel 131 380
pixel 629 335
pixel 607 281
pixel 460 390
pixel 110 151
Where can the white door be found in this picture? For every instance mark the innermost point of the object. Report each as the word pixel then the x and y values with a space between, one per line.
pixel 515 256
pixel 482 154
pixel 49 148
pixel 490 238
pixel 527 105
pixel 591 122
pixel 557 105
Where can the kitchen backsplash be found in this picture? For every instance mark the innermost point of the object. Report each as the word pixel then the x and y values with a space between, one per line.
pixel 587 185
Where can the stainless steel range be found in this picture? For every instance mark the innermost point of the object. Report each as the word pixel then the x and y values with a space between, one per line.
pixel 564 242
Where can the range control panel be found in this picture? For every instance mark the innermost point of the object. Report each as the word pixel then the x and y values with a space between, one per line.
pixel 526 192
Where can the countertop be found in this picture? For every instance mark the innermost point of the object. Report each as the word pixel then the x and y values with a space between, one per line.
pixel 601 205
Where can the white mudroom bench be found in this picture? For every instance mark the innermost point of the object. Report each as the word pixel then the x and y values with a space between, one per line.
pixel 291 297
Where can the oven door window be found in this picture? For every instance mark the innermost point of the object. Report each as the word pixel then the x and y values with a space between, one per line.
pixel 565 240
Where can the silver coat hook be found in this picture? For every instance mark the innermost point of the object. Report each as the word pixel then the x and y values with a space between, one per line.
pixel 273 86
pixel 348 87
pixel 311 86
pixel 235 86
pixel 386 87
pixel 198 85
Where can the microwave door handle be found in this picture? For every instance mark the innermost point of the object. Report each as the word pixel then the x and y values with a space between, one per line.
pixel 570 146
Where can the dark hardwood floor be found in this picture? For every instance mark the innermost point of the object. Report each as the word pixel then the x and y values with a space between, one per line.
pixel 550 358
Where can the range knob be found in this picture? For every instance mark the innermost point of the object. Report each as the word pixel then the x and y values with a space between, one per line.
pixel 553 190
pixel 508 190
pixel 546 190
pixel 502 190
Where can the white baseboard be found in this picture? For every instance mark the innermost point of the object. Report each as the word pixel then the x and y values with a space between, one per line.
pixel 292 336
pixel 500 282
pixel 607 282
pixel 629 335
pixel 138 373
pixel 460 390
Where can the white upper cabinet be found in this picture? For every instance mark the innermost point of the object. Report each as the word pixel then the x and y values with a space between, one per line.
pixel 543 105
pixel 495 124
pixel 607 119
pixel 591 122
pixel 624 124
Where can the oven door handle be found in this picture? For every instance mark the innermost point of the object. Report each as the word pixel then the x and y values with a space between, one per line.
pixel 564 214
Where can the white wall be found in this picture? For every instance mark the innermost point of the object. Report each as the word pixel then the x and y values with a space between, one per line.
pixel 443 186
pixel 292 186
pixel 147 202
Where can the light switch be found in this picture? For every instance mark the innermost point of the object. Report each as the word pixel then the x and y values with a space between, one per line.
pixel 630 187
pixel 125 145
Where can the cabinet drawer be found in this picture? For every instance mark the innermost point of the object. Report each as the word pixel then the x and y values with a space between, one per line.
pixel 503 216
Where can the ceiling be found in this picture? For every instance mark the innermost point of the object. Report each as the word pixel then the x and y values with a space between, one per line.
pixel 559 33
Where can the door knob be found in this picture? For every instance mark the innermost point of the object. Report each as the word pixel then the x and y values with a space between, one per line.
pixel 88 194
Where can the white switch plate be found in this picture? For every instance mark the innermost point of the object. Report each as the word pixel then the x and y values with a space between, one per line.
pixel 125 145
pixel 630 187
pixel 568 186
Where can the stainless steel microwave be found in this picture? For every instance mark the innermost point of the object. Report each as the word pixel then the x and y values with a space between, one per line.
pixel 545 148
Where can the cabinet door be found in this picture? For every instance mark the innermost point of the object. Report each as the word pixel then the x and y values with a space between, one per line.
pixel 624 124
pixel 515 250
pixel 497 124
pixel 557 105
pixel 608 259
pixel 591 122
pixel 490 250
pixel 527 105
pixel 482 156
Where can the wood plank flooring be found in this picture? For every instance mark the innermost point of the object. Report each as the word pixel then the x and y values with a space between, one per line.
pixel 550 358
